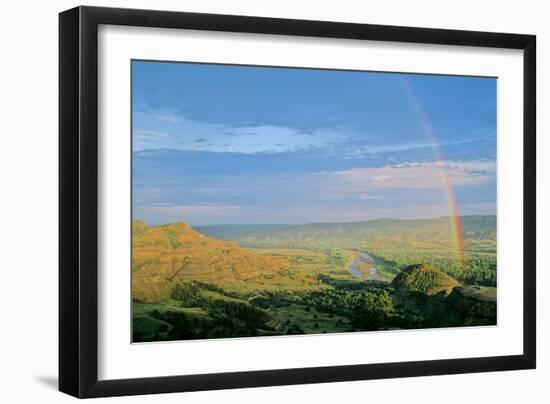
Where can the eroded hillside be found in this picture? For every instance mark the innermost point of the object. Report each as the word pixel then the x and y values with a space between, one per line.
pixel 165 255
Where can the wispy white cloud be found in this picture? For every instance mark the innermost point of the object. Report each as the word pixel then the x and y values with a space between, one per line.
pixel 415 175
pixel 181 131
pixel 373 150
pixel 370 150
pixel 148 134
pixel 144 137
pixel 167 118
pixel 354 194
pixel 368 197
pixel 182 134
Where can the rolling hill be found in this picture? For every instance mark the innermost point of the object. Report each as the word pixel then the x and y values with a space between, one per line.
pixel 479 233
pixel 394 243
pixel 164 255
pixel 424 278
pixel 285 280
pixel 232 231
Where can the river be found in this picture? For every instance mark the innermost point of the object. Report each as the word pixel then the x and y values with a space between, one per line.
pixel 355 267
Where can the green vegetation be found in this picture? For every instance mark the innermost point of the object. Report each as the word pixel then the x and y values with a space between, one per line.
pixel 424 278
pixel 286 280
pixel 396 244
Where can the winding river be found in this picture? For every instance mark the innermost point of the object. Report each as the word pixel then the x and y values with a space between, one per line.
pixel 355 266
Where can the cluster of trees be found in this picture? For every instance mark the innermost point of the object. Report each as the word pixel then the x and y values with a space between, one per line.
pixel 479 268
pixel 359 305
pixel 189 293
pixel 274 300
pixel 225 319
pixel 482 270
pixel 368 309
pixel 217 325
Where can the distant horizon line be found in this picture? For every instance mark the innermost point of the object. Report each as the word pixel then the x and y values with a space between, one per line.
pixel 313 223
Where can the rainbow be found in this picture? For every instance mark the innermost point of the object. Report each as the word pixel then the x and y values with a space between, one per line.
pixel 455 222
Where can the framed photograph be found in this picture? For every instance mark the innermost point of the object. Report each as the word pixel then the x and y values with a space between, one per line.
pixel 251 201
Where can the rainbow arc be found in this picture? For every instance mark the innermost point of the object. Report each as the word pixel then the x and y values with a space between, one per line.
pixel 454 216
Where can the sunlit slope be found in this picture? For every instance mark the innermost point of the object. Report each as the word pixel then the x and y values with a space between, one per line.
pixel 164 255
pixel 424 278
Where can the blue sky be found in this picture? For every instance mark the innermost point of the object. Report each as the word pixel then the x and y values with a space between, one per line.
pixel 218 144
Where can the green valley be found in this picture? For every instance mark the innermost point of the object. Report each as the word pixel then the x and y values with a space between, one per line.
pixel 228 281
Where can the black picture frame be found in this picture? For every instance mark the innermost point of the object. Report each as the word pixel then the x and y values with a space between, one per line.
pixel 78 201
